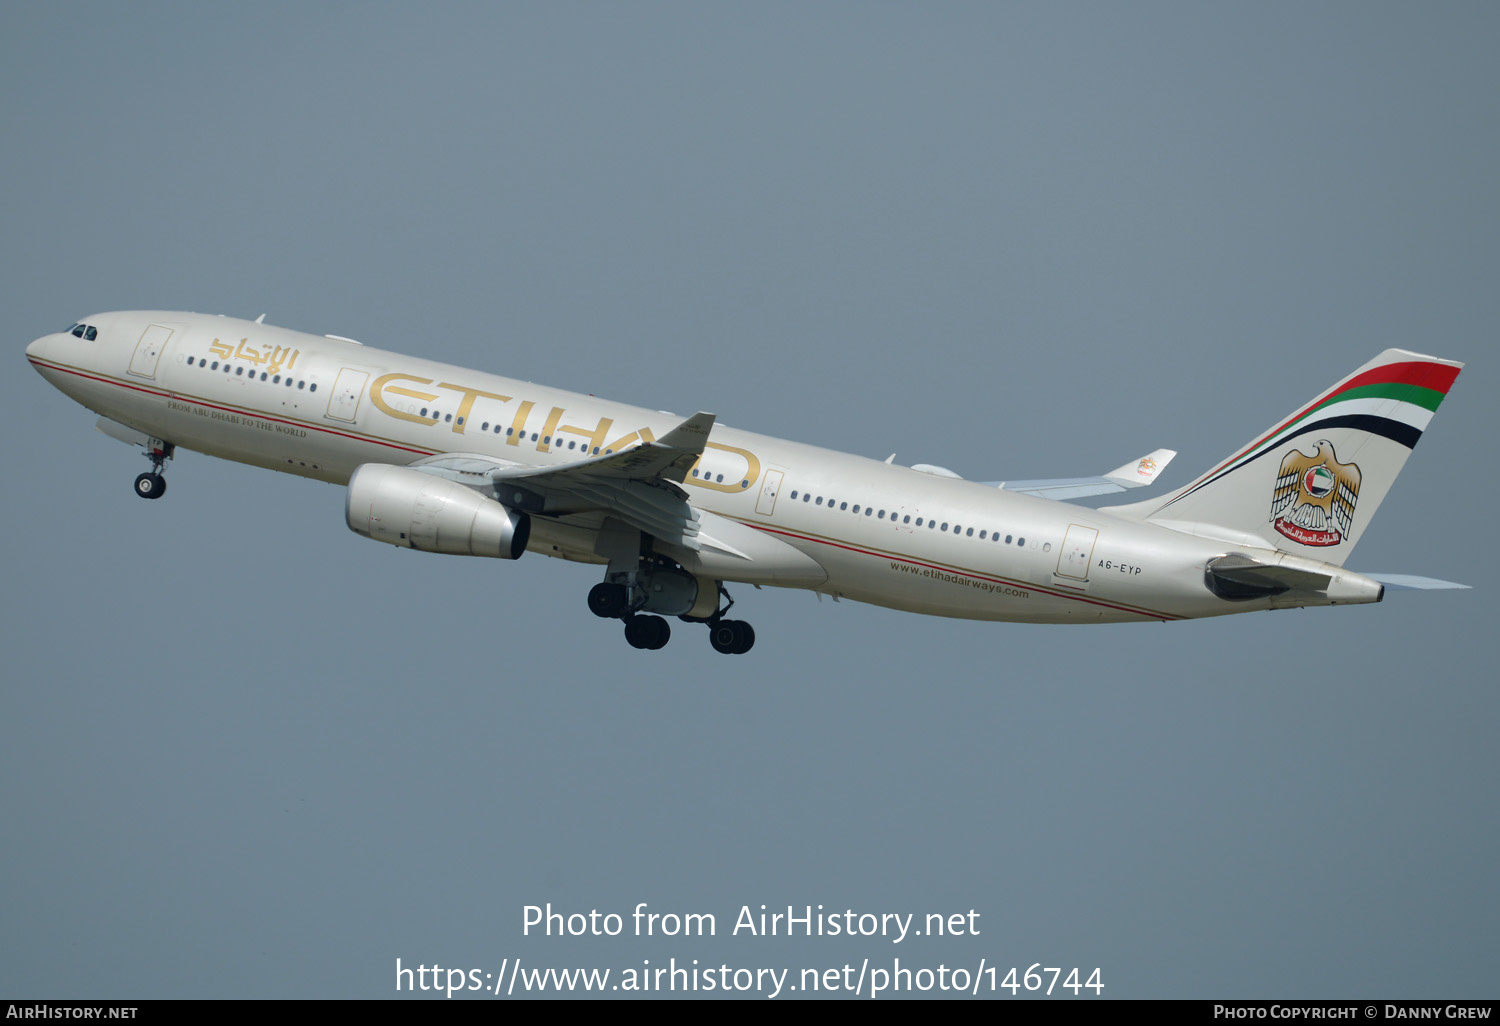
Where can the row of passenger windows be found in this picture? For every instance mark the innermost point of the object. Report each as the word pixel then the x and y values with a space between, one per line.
pixel 510 431
pixel 87 332
pixel 931 525
pixel 239 371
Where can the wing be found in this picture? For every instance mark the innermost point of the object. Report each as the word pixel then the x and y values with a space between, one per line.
pixel 1135 474
pixel 640 486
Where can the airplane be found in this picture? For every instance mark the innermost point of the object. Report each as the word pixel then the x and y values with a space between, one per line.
pixel 444 459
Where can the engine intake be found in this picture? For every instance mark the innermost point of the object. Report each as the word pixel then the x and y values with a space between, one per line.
pixel 413 510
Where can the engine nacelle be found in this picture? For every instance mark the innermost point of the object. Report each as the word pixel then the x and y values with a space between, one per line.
pixel 414 510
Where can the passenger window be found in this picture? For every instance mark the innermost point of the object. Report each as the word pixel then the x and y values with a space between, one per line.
pixel 868 511
pixel 856 507
pixel 919 521
pixel 843 505
pixel 794 495
pixel 313 387
pixel 239 371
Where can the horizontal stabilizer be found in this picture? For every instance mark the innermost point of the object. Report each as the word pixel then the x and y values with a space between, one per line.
pixel 1135 474
pixel 1409 582
pixel 1287 580
pixel 1236 576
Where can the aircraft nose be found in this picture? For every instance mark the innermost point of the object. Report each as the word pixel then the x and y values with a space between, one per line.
pixel 38 349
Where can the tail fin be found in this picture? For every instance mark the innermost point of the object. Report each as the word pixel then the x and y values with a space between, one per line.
pixel 1311 483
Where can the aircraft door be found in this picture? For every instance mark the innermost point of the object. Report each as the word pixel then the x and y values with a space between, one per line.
pixel 1077 552
pixel 148 350
pixel 766 504
pixel 343 404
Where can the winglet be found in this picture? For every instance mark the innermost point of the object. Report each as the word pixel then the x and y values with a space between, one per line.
pixel 1143 471
pixel 691 435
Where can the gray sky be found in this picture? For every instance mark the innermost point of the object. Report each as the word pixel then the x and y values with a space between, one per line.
pixel 244 752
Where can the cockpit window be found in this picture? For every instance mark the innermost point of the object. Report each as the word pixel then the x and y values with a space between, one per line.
pixel 87 332
pixel 76 329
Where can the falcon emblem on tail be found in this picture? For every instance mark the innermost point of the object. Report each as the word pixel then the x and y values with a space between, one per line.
pixel 1313 503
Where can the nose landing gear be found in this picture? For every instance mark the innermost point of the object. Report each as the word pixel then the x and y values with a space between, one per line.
pixel 152 485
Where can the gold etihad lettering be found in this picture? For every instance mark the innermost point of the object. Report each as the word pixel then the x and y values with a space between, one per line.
pixel 552 429
pixel 461 418
pixel 378 388
pixel 752 470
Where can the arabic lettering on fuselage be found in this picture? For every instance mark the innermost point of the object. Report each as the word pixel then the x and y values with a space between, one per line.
pixel 272 358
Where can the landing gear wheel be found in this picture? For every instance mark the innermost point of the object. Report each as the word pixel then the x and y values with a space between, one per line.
pixel 722 636
pixel 747 638
pixel 150 486
pixel 608 600
pixel 732 637
pixel 650 632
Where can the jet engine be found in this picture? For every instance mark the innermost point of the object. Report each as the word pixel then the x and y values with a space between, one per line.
pixel 413 510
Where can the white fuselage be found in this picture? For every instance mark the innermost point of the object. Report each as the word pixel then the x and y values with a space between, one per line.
pixel 320 407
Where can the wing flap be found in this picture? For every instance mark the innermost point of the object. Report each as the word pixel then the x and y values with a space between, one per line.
pixel 640 486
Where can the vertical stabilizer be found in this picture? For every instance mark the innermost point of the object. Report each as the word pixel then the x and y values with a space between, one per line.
pixel 1311 483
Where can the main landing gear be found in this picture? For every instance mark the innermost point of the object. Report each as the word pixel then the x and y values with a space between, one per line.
pixel 152 485
pixel 610 600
